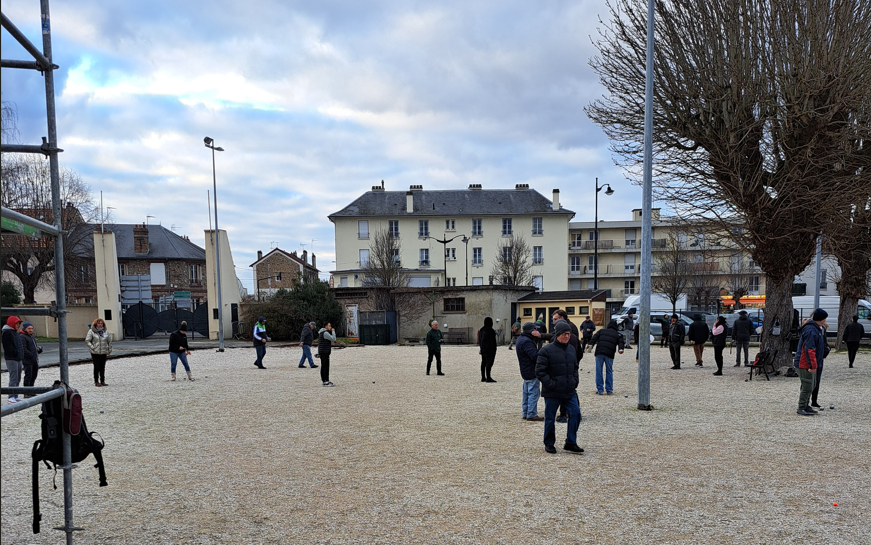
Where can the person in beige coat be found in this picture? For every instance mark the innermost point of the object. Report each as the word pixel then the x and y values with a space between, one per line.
pixel 100 344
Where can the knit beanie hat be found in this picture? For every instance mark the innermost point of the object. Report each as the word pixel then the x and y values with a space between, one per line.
pixel 561 327
pixel 528 327
pixel 25 325
pixel 819 315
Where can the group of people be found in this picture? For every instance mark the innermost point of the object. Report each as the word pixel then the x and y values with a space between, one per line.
pixel 21 353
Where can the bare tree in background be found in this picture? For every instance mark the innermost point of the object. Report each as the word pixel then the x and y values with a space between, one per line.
pixel 850 244
pixel 512 264
pixel 672 270
pixel 384 269
pixel 738 277
pixel 761 119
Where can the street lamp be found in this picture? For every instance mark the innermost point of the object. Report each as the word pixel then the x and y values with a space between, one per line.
pixel 444 250
pixel 608 191
pixel 466 242
pixel 211 145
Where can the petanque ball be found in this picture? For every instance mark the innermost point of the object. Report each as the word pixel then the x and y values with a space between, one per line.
pixel 627 397
pixel 745 380
pixel 822 408
pixel 101 411
pixel 831 406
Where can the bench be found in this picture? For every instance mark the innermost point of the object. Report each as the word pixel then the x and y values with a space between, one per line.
pixel 455 337
pixel 411 340
pixel 764 364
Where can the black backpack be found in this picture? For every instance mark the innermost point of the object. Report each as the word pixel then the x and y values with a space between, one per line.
pixel 58 415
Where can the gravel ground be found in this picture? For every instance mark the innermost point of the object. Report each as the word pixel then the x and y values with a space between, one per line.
pixel 391 455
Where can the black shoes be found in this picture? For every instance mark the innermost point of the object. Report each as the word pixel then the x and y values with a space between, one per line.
pixel 562 419
pixel 314 366
pixel 490 380
pixel 804 412
pixel 812 411
pixel 439 374
pixel 535 418
pixel 718 373
pixel 571 447
pixel 815 404
pixel 550 449
pixel 676 367
pixel 260 367
pixel 483 379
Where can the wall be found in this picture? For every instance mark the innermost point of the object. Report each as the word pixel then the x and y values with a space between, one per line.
pixel 229 288
pixel 78 320
pixel 108 283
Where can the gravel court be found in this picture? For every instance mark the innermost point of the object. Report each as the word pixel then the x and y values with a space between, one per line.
pixel 249 456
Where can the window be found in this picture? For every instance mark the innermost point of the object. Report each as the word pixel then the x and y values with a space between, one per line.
pixel 83 275
pixel 527 312
pixel 506 227
pixel 823 283
pixel 537 226
pixel 751 264
pixel 393 228
pixel 424 257
pixel 628 286
pixel 196 274
pixel 593 235
pixel 450 225
pixel 583 311
pixel 591 284
pixel 754 285
pixel 591 262
pixel 537 255
pixel 863 313
pixel 396 256
pixel 477 256
pixel 343 282
pixel 364 258
pixel 506 254
pixel 477 228
pixel 452 281
pixel 455 304
pixel 629 263
pixel 123 269
pixel 451 254
pixel 477 280
pixel 575 266
pixel 422 228
pixel 538 282
pixel 630 238
pixel 363 229
pixel 570 311
pixel 158 274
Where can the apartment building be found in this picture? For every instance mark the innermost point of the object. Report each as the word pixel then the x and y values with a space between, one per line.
pixel 452 237
pixel 278 269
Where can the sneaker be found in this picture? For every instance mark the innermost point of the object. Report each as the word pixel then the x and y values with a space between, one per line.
pixel 609 393
pixel 699 364
pixel 600 393
pixel 718 373
pixel 314 366
pixel 550 449
pixel 535 418
pixel 803 412
pixel 808 409
pixel 302 366
pixel 328 383
pixel 676 367
pixel 571 447
pixel 562 419
pixel 12 399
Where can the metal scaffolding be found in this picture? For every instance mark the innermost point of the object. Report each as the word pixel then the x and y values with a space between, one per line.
pixel 23 225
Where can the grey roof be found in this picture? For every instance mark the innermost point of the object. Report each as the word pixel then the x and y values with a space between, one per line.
pixel 162 243
pixel 574 295
pixel 446 202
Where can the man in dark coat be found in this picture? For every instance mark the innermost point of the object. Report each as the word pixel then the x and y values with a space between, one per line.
pixel 676 334
pixel 434 347
pixel 608 342
pixel 698 334
pixel 587 329
pixel 487 342
pixel 852 337
pixel 557 369
pixel 306 338
pixel 809 357
pixel 741 332
pixel 527 354
pixel 666 323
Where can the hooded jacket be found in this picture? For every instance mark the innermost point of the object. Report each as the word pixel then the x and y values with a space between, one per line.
pixel 557 369
pixel 325 341
pixel 487 337
pixel 178 342
pixel 743 329
pixel 699 331
pixel 31 351
pixel 13 349
pixel 676 332
pixel 608 340
pixel 527 354
pixel 307 336
pixel 811 343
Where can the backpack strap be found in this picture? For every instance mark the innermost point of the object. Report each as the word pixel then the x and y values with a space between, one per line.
pixel 35 456
pixel 97 451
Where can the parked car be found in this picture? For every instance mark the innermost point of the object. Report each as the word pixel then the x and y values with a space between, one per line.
pixel 756 315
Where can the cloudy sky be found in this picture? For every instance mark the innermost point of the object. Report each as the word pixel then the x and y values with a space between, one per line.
pixel 315 102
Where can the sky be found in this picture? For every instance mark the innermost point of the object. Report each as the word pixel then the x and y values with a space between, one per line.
pixel 314 103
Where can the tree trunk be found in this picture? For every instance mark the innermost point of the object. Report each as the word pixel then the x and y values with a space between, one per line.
pixel 778 305
pixel 846 310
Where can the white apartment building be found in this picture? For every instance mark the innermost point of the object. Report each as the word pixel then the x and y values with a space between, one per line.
pixel 452 237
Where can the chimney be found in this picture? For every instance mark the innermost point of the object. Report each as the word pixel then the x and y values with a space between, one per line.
pixel 556 205
pixel 305 256
pixel 313 260
pixel 140 239
pixel 259 255
pixel 409 202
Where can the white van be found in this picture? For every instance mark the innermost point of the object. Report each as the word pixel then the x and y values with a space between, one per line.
pixel 658 303
pixel 831 304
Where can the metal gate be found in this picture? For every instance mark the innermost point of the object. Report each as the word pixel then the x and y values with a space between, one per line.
pixel 142 321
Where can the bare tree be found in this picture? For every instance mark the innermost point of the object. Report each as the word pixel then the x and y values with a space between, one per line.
pixel 738 277
pixel 851 245
pixel 26 188
pixel 512 264
pixel 761 119
pixel 672 270
pixel 384 269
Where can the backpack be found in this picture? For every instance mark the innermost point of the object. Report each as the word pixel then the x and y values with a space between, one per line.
pixel 63 415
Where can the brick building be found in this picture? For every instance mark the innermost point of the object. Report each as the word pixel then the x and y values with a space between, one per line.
pixel 288 265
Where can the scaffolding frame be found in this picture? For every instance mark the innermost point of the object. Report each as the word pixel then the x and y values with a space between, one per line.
pixel 19 223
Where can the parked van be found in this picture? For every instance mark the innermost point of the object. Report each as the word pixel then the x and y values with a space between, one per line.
pixel 831 304
pixel 658 304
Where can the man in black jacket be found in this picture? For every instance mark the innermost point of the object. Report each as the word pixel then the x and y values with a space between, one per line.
pixel 587 329
pixel 666 322
pixel 676 334
pixel 698 334
pixel 852 337
pixel 557 369
pixel 607 341
pixel 527 355
pixel 306 338
pixel 741 332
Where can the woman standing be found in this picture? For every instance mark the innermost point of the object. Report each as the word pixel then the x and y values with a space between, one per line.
pixel 719 341
pixel 178 350
pixel 100 344
pixel 487 341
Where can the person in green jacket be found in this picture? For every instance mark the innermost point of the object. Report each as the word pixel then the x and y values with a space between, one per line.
pixel 434 347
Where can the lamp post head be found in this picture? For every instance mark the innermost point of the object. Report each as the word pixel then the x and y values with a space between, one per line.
pixel 208 141
pixel 609 191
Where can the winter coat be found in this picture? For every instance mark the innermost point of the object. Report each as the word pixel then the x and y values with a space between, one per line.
pixel 99 343
pixel 434 340
pixel 307 336
pixel 325 341
pixel 527 354
pixel 699 331
pixel 608 340
pixel 811 342
pixel 676 332
pixel 557 369
pixel 487 337
pixel 743 329
pixel 31 351
pixel 13 349
pixel 178 342
pixel 587 329
pixel 854 332
pixel 575 342
pixel 258 334
pixel 666 325
pixel 719 335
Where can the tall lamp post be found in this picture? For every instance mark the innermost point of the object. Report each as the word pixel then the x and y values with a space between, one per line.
pixel 466 242
pixel 444 244
pixel 211 145
pixel 608 191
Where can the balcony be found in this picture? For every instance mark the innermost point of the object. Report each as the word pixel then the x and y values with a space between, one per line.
pixel 705 267
pixel 625 293
pixel 588 270
pixel 423 263
pixel 590 245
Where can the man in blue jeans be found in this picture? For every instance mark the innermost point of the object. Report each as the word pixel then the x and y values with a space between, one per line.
pixel 306 338
pixel 557 370
pixel 607 342
pixel 527 355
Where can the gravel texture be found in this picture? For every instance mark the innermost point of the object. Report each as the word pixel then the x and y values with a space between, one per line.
pixel 391 455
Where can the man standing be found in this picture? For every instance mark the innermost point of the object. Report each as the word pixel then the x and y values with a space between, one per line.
pixel 741 332
pixel 487 342
pixel 30 357
pixel 629 326
pixel 260 339
pixel 434 347
pixel 809 357
pixel 607 341
pixel 698 334
pixel 587 329
pixel 306 338
pixel 527 354
pixel 852 337
pixel 326 338
pixel 676 334
pixel 516 328
pixel 666 323
pixel 557 369
pixel 13 351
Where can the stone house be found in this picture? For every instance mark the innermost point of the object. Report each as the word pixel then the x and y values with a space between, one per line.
pixel 278 269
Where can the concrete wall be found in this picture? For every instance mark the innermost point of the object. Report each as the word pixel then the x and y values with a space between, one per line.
pixel 229 287
pixel 108 283
pixel 78 320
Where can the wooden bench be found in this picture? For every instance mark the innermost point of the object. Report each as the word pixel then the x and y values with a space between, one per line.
pixel 411 340
pixel 455 337
pixel 765 364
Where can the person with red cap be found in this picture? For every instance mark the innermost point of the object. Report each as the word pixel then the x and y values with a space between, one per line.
pixel 13 351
